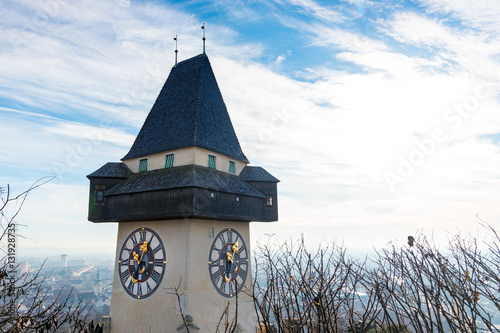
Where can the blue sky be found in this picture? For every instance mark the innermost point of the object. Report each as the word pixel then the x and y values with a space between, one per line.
pixel 380 118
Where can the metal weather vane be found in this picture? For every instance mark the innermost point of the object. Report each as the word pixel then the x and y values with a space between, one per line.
pixel 175 38
pixel 204 39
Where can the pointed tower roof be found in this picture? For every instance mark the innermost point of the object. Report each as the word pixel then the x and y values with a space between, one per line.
pixel 189 111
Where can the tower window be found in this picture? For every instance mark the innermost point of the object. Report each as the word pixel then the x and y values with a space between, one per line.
pixel 269 200
pixel 232 167
pixel 143 165
pixel 212 161
pixel 169 160
pixel 99 196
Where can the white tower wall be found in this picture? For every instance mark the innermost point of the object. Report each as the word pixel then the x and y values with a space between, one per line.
pixel 187 244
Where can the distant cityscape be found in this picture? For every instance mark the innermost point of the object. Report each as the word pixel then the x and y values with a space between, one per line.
pixel 74 278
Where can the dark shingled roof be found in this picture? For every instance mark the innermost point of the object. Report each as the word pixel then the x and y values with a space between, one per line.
pixel 256 174
pixel 189 111
pixel 112 170
pixel 185 176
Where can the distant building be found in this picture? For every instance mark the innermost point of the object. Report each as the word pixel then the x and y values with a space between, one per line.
pixel 64 260
pixel 98 283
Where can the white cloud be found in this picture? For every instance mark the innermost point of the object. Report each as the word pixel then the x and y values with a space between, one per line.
pixel 481 15
pixel 86 132
pixel 34 146
pixel 320 12
pixel 461 49
pixel 282 57
pixel 103 59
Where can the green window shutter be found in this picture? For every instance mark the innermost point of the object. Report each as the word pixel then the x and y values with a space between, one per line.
pixel 169 160
pixel 212 162
pixel 232 167
pixel 143 165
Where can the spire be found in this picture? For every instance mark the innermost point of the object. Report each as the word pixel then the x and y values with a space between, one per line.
pixel 203 28
pixel 98 277
pixel 175 38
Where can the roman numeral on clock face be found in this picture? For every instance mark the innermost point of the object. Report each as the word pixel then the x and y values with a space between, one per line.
pixel 216 276
pixel 134 240
pixel 223 286
pixel 125 275
pixel 242 273
pixel 131 286
pixel 155 276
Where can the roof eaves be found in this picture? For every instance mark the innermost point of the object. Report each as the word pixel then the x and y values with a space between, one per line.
pixel 257 174
pixel 112 170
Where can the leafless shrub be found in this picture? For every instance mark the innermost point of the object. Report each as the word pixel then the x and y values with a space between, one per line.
pixel 410 288
pixel 42 312
pixel 439 291
pixel 299 291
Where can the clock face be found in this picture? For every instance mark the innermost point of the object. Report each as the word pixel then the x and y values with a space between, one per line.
pixel 141 263
pixel 228 262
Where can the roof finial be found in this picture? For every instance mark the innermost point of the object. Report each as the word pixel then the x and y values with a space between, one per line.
pixel 203 28
pixel 175 38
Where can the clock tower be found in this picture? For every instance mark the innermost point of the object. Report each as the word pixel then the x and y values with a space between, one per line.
pixel 183 198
